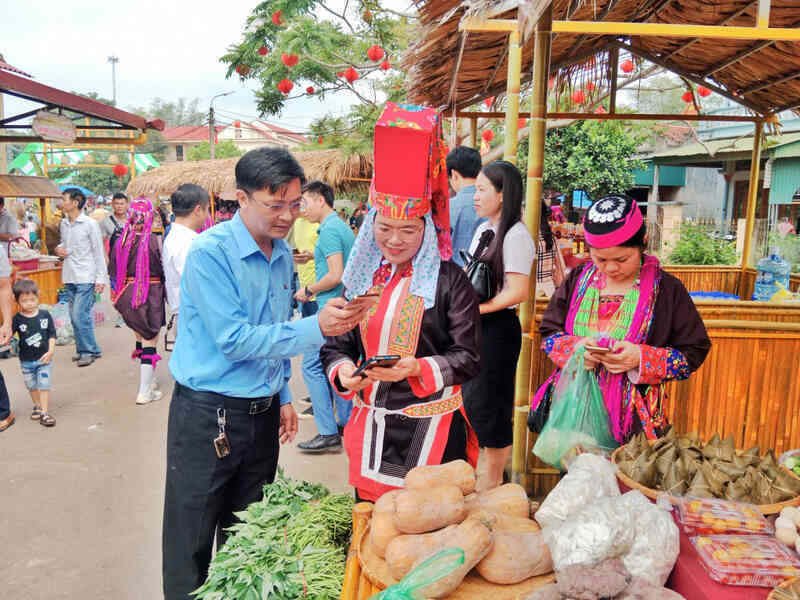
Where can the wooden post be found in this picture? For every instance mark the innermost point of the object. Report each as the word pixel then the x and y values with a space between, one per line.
pixel 473 132
pixel 352 572
pixel 533 210
pixel 43 224
pixel 753 197
pixel 512 97
pixel 133 162
pixel 613 66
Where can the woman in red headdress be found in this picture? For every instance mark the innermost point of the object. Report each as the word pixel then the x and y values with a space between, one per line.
pixel 412 413
pixel 138 294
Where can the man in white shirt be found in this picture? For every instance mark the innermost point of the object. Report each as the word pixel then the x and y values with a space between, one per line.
pixel 190 206
pixel 84 271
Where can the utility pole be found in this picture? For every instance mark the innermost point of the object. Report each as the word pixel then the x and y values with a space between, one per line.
pixel 114 60
pixel 211 131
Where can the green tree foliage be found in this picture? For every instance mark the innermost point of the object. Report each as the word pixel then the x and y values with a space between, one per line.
pixel 593 156
pixel 327 43
pixel 202 151
pixel 173 113
pixel 100 181
pixel 697 245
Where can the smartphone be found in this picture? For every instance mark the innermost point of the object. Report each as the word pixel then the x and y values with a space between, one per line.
pixel 597 349
pixel 377 361
pixel 295 251
pixel 363 300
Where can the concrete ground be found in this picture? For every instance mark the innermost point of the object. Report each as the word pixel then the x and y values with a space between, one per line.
pixel 81 503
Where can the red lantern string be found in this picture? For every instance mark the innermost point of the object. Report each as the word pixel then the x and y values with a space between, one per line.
pixel 551 83
pixel 703 91
pixel 521 123
pixel 120 170
pixel 375 53
pixel 487 135
pixel 627 66
pixel 319 140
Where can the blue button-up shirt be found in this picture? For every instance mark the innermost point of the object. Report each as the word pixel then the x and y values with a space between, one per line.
pixel 463 221
pixel 233 334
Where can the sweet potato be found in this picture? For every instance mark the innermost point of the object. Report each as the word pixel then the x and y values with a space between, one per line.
pixel 457 472
pixel 515 556
pixel 382 529
pixel 404 550
pixel 509 499
pixel 504 522
pixel 421 511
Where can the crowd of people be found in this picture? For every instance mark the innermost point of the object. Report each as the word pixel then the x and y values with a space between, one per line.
pixel 407 362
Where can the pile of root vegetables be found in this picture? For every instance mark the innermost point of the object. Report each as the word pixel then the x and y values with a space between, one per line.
pixel 438 508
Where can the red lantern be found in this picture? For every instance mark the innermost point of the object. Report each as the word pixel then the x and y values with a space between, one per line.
pixel 237 124
pixel 375 53
pixel 290 60
pixel 276 18
pixel 551 83
pixel 319 140
pixel 310 89
pixel 488 102
pixel 688 97
pixel 285 86
pixel 120 170
pixel 627 66
pixel 590 87
pixel 263 50
pixel 703 91
pixel 351 75
pixel 385 65
pixel 578 97
pixel 487 135
pixel 521 123
pixel 242 70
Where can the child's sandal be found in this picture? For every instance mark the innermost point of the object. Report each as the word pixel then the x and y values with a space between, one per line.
pixel 47 420
pixel 37 413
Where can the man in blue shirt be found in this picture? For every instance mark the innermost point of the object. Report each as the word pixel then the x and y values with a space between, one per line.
pixel 463 166
pixel 330 256
pixel 231 404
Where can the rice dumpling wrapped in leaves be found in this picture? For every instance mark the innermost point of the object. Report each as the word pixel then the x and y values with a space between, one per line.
pixel 764 491
pixel 737 491
pixel 674 481
pixel 743 461
pixel 699 486
pixel 665 459
pixel 643 470
pixel 787 485
pixel 720 449
pixel 731 470
pixel 716 481
pixel 689 440
pixel 755 452
pixel 769 466
pixel 690 463
pixel 668 439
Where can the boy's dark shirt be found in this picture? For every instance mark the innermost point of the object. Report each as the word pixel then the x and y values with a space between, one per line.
pixel 34 334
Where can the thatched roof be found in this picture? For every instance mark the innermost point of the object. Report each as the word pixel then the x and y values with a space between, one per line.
pixel 217 176
pixel 761 75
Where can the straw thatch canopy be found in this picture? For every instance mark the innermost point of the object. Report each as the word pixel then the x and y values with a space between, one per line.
pixel 764 76
pixel 217 176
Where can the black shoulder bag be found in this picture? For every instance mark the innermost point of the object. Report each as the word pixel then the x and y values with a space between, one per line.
pixel 480 273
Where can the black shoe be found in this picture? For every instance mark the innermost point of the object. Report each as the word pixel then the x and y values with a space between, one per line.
pixel 307 413
pixel 85 360
pixel 77 357
pixel 322 443
pixel 341 430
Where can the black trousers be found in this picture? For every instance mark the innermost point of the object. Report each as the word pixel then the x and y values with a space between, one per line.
pixel 5 403
pixel 202 490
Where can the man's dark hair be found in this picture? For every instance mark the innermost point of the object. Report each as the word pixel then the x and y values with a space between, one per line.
pixel 267 168
pixel 76 195
pixel 465 160
pixel 2 201
pixel 321 189
pixel 25 286
pixel 186 198
pixel 118 196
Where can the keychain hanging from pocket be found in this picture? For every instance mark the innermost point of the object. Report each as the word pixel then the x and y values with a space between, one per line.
pixel 221 444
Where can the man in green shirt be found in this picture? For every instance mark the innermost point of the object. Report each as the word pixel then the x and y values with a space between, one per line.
pixel 334 242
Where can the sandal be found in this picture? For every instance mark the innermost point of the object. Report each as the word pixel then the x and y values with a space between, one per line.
pixel 47 420
pixel 37 413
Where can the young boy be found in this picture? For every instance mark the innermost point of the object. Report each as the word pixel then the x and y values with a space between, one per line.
pixel 37 343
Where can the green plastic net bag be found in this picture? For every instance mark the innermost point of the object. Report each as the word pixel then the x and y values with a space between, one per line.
pixel 431 570
pixel 578 415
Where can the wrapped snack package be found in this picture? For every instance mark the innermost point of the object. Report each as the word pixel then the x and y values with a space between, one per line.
pixel 752 560
pixel 711 516
pixel 600 531
pixel 656 540
pixel 589 477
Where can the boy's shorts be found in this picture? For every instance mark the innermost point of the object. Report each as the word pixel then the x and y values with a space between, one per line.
pixel 37 376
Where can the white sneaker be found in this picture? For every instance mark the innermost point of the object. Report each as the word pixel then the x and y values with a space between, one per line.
pixel 144 398
pixel 155 393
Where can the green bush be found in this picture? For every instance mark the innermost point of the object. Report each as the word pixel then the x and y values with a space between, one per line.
pixel 789 248
pixel 697 246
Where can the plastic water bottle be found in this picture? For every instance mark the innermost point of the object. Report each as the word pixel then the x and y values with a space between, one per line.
pixel 771 270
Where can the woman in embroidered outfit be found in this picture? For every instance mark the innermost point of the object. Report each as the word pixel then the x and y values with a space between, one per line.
pixel 625 301
pixel 489 398
pixel 138 295
pixel 410 414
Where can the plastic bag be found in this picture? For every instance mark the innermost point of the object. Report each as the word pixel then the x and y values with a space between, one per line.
pixel 578 415
pixel 430 571
pixel 60 313
pixel 98 314
pixel 656 541
pixel 589 478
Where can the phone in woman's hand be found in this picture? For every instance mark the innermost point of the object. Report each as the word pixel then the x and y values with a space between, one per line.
pixel 376 361
pixel 597 349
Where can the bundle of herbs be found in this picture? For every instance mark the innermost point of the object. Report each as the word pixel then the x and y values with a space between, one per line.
pixel 291 544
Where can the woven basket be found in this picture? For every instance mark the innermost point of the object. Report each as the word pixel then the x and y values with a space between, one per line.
pixel 782 586
pixel 765 509
pixel 474 587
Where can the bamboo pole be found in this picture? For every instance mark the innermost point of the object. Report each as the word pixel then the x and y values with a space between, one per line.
pixel 512 97
pixel 473 132
pixel 533 209
pixel 753 196
pixel 352 572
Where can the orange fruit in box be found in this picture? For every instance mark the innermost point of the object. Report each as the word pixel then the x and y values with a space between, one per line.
pixel 707 518
pixel 791 571
pixel 754 525
pixel 722 555
pixel 733 523
pixel 719 525
pixel 695 506
pixel 703 541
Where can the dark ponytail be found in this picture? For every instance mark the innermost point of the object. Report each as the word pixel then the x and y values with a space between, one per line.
pixel 505 178
pixel 544 227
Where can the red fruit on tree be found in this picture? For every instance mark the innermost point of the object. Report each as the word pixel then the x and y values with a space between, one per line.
pixel 319 140
pixel 551 83
pixel 375 53
pixel 290 60
pixel 367 16
pixel 263 50
pixel 627 66
pixel 687 97
pixel 599 110
pixel 276 18
pixel 351 75
pixel 487 135
pixel 310 89
pixel 703 91
pixel 340 74
pixel 242 70
pixel 285 86
pixel 578 97
pixel 385 65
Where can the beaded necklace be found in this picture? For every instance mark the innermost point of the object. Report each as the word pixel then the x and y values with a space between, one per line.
pixel 587 317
